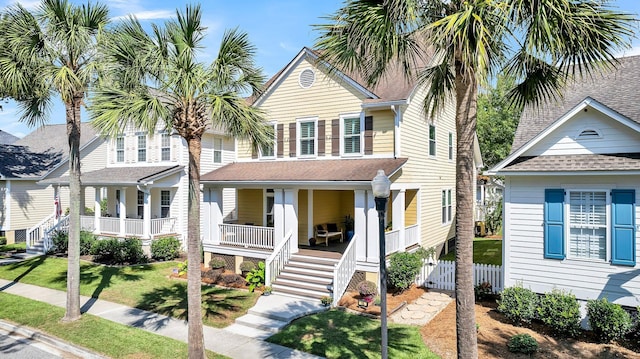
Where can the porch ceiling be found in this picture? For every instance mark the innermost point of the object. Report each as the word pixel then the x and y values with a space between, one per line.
pixel 120 175
pixel 304 170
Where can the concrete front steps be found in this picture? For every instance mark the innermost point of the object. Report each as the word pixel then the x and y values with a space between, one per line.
pixel 36 248
pixel 306 276
pixel 272 313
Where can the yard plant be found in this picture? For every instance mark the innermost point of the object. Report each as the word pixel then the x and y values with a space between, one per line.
pixel 518 304
pixel 609 321
pixel 165 249
pixel 403 269
pixel 560 311
pixel 522 343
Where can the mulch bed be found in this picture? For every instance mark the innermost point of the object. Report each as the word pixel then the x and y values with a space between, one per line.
pixel 395 301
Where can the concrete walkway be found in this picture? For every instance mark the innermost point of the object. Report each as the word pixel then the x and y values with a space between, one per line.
pixel 424 308
pixel 217 340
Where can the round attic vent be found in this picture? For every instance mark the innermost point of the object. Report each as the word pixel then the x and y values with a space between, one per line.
pixel 307 78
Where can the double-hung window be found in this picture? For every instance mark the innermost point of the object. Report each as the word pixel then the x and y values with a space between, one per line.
pixel 142 147
pixel 217 150
pixel 165 147
pixel 432 140
pixel 268 150
pixel 165 203
pixel 120 149
pixel 450 146
pixel 446 206
pixel 588 224
pixel 140 204
pixel 351 135
pixel 269 203
pixel 307 138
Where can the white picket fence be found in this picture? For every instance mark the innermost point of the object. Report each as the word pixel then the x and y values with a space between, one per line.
pixel 442 274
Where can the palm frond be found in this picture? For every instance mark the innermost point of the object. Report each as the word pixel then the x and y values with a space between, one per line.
pixel 440 80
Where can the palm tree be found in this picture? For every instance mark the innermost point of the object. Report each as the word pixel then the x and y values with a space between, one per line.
pixel 541 43
pixel 157 77
pixel 52 51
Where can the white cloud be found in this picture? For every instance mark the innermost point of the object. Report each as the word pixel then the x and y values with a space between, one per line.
pixel 149 15
pixel 630 52
pixel 27 4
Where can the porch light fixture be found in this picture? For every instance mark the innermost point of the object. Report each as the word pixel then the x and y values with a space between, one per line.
pixel 381 186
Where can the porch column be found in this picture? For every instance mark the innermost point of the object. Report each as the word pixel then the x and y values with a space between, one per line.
pixel 291 217
pixel 360 224
pixel 212 214
pixel 373 243
pixel 278 216
pixel 310 231
pixel 123 210
pixel 146 215
pixel 96 210
pixel 397 219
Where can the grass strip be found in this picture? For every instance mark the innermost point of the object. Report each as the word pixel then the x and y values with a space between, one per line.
pixel 337 334
pixel 94 333
pixel 486 251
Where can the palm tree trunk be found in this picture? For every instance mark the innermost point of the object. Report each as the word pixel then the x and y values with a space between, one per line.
pixel 73 266
pixel 194 296
pixel 466 95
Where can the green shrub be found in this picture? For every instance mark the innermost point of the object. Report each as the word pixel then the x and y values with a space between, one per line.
pixel 561 312
pixel 609 321
pixel 366 288
pixel 518 304
pixel 165 249
pixel 115 251
pixel 86 242
pixel 217 263
pixel 104 250
pixel 3 241
pixel 255 278
pixel 247 266
pixel 522 343
pixel 403 269
pixel 183 268
pixel 60 242
pixel 483 291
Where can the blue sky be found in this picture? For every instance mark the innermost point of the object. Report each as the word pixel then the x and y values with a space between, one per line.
pixel 278 28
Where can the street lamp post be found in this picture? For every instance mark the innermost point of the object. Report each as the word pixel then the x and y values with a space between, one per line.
pixel 381 187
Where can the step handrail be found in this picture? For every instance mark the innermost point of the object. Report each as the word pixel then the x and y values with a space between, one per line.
pixel 36 232
pixel 344 270
pixel 277 260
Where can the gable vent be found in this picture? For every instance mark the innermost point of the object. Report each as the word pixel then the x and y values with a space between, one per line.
pixel 307 78
pixel 589 133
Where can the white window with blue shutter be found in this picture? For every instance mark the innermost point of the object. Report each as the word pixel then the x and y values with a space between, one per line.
pixel 598 227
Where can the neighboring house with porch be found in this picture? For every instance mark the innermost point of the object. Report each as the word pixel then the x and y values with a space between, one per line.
pixel 136 184
pixel 571 183
pixel 312 184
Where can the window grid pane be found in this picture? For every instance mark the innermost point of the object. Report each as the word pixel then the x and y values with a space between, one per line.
pixel 432 140
pixel 587 228
pixel 450 145
pixel 351 135
pixel 165 150
pixel 120 149
pixel 217 150
pixel 142 148
pixel 307 138
pixel 165 203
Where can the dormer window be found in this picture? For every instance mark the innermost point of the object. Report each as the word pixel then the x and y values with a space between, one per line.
pixel 588 134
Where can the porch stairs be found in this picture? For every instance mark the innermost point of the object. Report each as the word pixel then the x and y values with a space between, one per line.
pixel 308 275
pixel 36 247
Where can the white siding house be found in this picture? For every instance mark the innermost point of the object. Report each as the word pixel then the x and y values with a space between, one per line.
pixel 570 198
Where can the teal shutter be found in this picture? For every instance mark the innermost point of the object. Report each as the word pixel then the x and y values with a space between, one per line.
pixel 623 227
pixel 554 224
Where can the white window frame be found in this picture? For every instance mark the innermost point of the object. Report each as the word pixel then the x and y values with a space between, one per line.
pixel 269 193
pixel 167 205
pixel 163 135
pixel 567 221
pixel 141 135
pixel 299 139
pixel 435 140
pixel 274 143
pixel 140 204
pixel 451 145
pixel 344 117
pixel 446 206
pixel 120 150
pixel 219 151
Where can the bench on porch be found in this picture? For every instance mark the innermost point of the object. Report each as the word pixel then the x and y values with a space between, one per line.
pixel 327 231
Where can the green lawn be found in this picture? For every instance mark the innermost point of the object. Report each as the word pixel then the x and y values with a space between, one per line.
pixel 485 250
pixel 6 248
pixel 336 334
pixel 142 286
pixel 94 333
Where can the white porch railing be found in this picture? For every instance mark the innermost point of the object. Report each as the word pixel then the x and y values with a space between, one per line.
pixel 87 223
pixel 411 235
pixel 36 233
pixel 392 241
pixel 246 236
pixel 344 270
pixel 441 275
pixel 109 225
pixel 134 227
pixel 163 226
pixel 278 259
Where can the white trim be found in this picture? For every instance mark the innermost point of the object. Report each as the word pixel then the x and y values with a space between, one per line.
pixel 397 119
pixel 384 104
pixel 448 205
pixel 273 124
pixel 303 54
pixel 161 134
pixel 567 173
pixel 214 149
pixel 567 220
pixel 343 117
pixel 299 121
pixel 435 140
pixel 146 147
pixel 587 102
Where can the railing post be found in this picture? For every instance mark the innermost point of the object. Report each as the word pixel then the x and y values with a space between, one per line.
pixel 146 218
pixel 97 214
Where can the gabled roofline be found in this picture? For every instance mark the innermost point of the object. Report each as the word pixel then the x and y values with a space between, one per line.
pixel 306 52
pixel 95 137
pixel 587 102
pixel 151 178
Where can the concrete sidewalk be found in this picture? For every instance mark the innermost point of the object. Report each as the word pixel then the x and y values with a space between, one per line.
pixel 217 340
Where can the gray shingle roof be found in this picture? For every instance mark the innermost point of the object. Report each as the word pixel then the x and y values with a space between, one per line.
pixel 6 138
pixel 40 151
pixel 119 175
pixel 616 89
pixel 304 171
pixel 573 163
